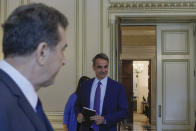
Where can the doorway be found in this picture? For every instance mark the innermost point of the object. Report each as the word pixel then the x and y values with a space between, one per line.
pixel 138 57
pixel 141 93
pixel 172 66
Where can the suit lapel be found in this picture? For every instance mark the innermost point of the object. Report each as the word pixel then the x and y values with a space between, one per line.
pixel 107 93
pixel 22 101
pixel 30 113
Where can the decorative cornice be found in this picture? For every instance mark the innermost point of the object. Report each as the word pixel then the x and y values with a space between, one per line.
pixel 151 5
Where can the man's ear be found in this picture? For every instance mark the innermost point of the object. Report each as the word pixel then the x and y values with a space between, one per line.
pixel 42 53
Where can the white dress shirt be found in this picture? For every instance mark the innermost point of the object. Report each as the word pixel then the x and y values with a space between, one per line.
pixel 93 90
pixel 25 85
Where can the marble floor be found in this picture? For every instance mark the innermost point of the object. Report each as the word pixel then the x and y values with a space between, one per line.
pixel 140 124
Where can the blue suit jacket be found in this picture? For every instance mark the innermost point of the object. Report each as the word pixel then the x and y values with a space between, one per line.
pixel 115 107
pixel 16 114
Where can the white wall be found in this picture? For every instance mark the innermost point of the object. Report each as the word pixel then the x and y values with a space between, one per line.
pixel 83 36
pixel 54 97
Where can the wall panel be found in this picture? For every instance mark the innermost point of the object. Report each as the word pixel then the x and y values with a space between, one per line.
pixel 92 34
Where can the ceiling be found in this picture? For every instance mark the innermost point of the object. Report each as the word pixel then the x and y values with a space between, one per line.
pixel 138 35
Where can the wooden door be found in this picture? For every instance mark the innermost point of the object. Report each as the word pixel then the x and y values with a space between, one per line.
pixel 126 78
pixel 149 91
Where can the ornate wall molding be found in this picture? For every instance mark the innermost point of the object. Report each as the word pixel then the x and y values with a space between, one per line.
pixel 84 36
pixel 80 37
pixel 77 37
pixel 22 2
pixel 101 24
pixel 3 16
pixel 151 5
pixel 3 9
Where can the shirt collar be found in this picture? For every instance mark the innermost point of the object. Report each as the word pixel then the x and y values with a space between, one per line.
pixel 24 85
pixel 103 81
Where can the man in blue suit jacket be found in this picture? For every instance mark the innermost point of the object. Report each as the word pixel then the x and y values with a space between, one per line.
pixel 33 47
pixel 113 102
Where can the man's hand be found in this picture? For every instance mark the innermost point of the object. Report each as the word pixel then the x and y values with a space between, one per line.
pixel 80 118
pixel 98 119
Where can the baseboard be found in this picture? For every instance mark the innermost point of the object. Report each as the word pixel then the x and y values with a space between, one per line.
pixel 56 119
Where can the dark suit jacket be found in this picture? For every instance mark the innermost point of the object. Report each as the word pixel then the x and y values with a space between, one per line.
pixel 115 107
pixel 16 114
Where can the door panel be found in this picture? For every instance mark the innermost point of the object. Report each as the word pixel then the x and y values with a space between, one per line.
pixel 175 76
pixel 126 78
pixel 175 92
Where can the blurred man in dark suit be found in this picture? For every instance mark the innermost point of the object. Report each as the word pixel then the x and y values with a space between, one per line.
pixel 34 41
